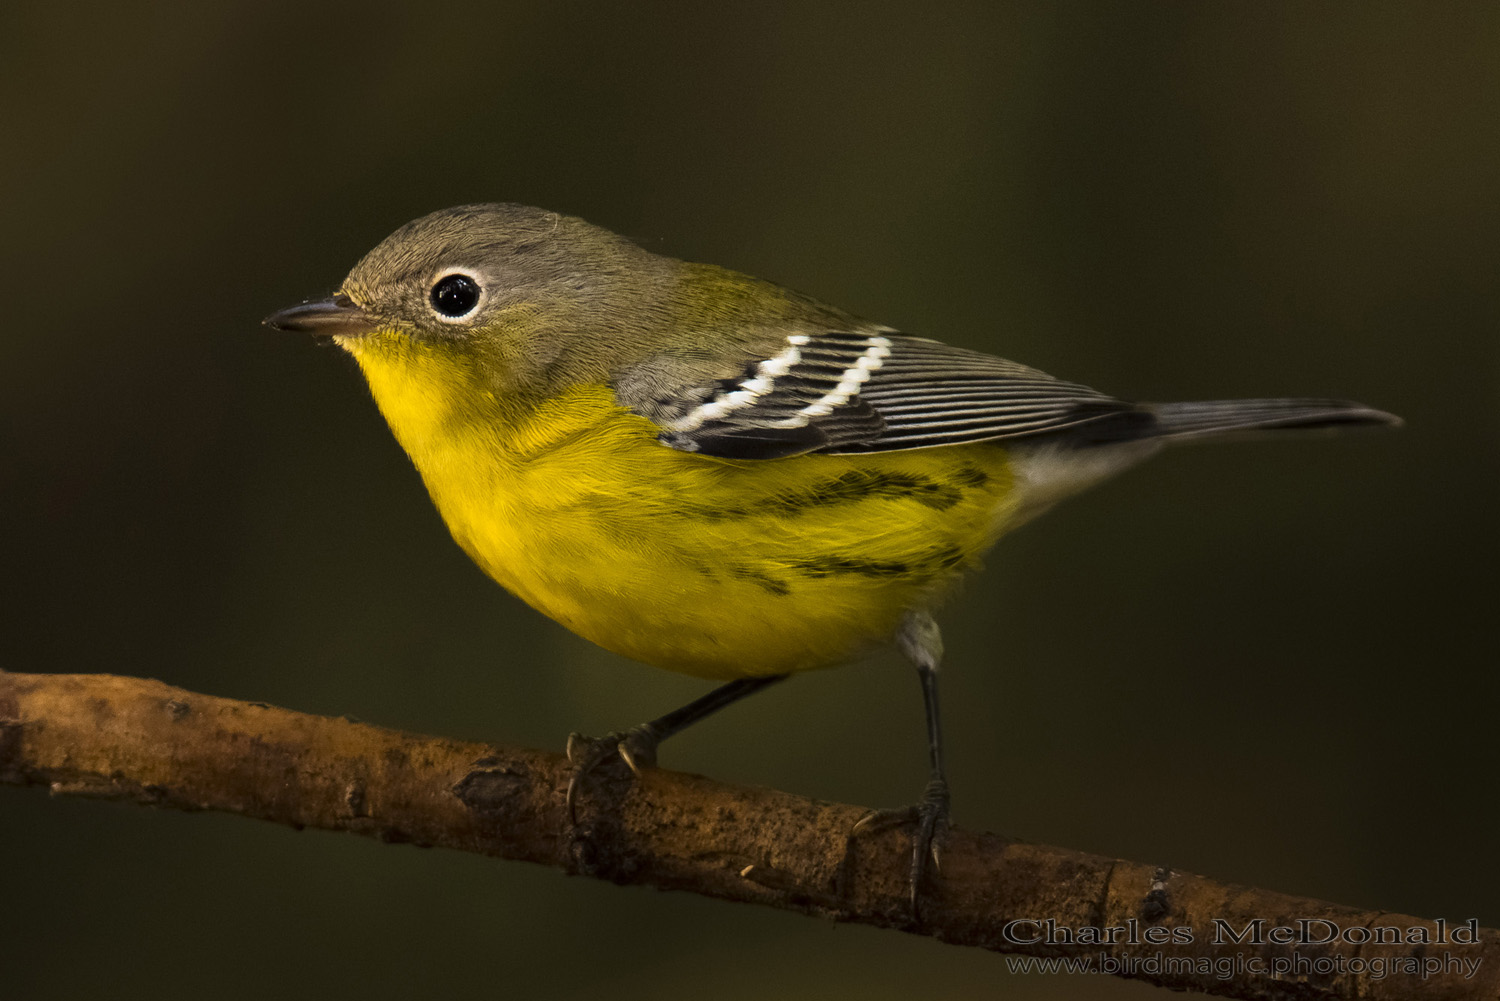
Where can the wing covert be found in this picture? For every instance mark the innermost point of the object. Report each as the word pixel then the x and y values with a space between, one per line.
pixel 877 390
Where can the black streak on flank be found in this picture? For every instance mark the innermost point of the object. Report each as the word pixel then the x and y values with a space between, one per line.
pixel 846 488
pixel 861 484
pixel 947 558
pixel 779 588
pixel 827 566
pixel 971 476
pixel 741 571
pixel 930 565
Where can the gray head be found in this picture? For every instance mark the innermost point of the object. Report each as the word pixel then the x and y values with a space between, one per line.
pixel 461 269
pixel 533 298
pixel 537 300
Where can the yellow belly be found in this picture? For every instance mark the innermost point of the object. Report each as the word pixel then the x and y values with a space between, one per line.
pixel 712 567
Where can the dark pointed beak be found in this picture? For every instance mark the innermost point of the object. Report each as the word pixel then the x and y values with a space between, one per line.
pixel 325 318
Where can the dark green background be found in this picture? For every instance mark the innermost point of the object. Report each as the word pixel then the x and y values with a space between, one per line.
pixel 1272 662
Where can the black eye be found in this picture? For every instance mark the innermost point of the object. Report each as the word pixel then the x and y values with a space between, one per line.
pixel 455 295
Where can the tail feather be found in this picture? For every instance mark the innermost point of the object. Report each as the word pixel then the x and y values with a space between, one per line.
pixel 1216 417
pixel 1051 467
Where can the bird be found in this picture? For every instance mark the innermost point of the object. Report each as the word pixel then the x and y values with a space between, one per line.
pixel 713 474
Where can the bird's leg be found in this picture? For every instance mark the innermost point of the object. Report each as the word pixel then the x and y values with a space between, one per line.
pixel 922 643
pixel 637 746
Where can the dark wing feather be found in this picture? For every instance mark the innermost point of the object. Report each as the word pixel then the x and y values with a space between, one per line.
pixel 873 391
pixel 929 394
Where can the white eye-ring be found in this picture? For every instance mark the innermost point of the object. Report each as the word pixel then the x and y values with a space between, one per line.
pixel 455 295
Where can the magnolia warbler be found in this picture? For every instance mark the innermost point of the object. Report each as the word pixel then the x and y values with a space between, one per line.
pixel 713 474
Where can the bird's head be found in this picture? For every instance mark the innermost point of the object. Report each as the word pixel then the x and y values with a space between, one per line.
pixel 515 297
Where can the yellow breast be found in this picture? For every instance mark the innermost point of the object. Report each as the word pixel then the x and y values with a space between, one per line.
pixel 713 567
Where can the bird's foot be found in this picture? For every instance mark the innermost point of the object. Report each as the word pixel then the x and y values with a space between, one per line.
pixel 635 747
pixel 929 819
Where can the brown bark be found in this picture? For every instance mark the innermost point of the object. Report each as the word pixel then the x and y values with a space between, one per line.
pixel 134 739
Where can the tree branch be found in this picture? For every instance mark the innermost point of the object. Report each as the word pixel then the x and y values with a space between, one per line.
pixel 134 739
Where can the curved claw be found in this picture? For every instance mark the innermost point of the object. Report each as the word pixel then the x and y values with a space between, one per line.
pixel 575 750
pixel 629 755
pixel 572 799
pixel 636 747
pixel 867 822
pixel 579 755
pixel 931 819
pixel 586 755
pixel 926 842
pixel 880 820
